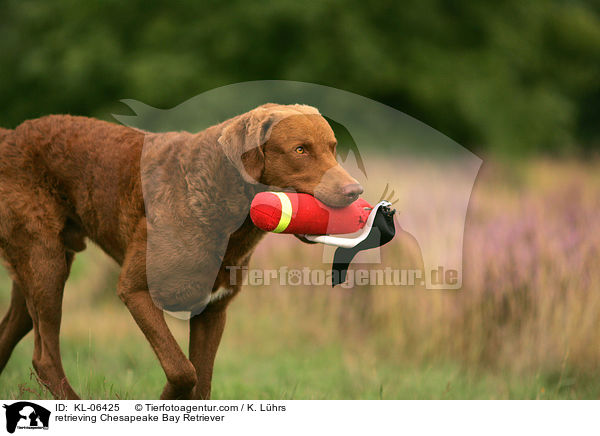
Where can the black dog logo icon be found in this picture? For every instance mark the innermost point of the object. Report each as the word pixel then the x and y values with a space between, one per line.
pixel 24 414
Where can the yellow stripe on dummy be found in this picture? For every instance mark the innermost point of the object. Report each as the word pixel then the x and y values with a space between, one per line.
pixel 286 212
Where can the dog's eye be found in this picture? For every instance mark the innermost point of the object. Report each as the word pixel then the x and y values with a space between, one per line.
pixel 300 150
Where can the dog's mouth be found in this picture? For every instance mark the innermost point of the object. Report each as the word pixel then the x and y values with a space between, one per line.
pixel 333 198
pixel 335 201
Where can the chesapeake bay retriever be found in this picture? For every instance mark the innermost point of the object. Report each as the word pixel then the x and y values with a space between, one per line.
pixel 66 178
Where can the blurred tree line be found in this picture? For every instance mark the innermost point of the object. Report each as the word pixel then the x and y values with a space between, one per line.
pixel 514 77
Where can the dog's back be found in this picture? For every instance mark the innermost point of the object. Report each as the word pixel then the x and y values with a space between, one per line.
pixel 62 147
pixel 63 167
pixel 6 146
pixel 4 133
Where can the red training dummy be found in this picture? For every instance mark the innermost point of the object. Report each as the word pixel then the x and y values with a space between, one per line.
pixel 303 214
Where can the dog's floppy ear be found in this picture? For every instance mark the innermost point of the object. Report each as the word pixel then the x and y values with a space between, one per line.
pixel 243 139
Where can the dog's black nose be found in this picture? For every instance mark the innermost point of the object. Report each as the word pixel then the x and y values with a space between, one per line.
pixel 352 190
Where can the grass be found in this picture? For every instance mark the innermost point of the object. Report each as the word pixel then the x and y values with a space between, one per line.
pixel 102 368
pixel 524 326
pixel 126 369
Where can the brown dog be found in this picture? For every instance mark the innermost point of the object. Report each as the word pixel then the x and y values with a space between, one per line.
pixel 64 179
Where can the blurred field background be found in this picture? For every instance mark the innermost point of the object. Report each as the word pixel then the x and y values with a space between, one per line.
pixel 515 82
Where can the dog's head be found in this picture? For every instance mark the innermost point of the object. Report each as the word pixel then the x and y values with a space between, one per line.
pixel 291 147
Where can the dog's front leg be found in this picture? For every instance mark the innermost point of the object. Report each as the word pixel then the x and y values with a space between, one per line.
pixel 206 330
pixel 133 290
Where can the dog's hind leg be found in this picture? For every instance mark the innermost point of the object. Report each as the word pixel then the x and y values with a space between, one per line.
pixel 43 289
pixel 16 324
